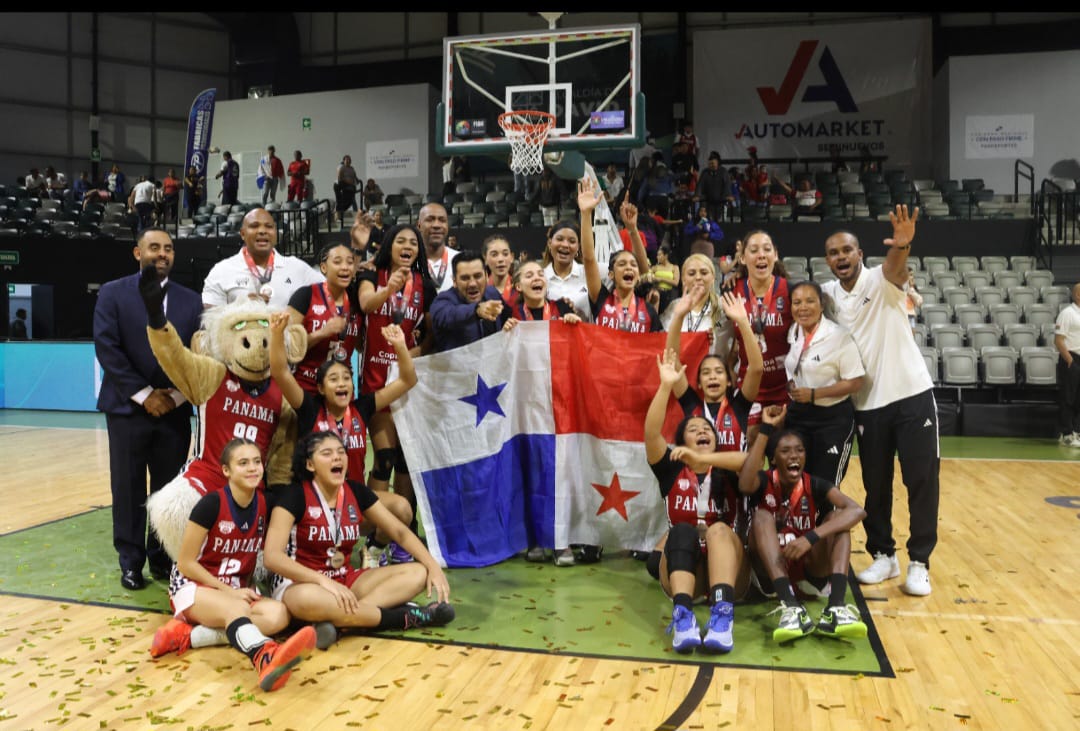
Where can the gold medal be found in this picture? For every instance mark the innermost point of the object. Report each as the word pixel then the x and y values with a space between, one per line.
pixel 337 559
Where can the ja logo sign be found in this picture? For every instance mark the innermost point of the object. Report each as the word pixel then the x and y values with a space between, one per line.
pixel 835 89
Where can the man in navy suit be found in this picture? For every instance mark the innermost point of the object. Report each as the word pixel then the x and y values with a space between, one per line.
pixel 149 421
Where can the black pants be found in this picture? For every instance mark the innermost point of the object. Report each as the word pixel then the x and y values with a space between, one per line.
pixel 908 427
pixel 1068 395
pixel 137 443
pixel 827 432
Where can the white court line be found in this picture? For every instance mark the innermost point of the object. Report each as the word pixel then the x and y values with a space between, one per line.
pixel 976 617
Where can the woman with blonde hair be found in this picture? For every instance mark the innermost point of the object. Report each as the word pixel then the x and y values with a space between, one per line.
pixel 706 314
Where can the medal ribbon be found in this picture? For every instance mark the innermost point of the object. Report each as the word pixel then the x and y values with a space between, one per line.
pixel 629 314
pixel 752 298
pixel 442 270
pixel 548 313
pixel 401 298
pixel 807 338
pixel 335 522
pixel 331 422
pixel 263 278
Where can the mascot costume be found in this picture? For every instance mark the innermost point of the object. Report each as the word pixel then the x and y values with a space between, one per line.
pixel 226 374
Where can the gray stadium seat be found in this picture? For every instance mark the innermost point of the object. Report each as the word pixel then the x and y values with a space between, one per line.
pixel 989 295
pixel 945 278
pixel 1040 365
pixel 1039 278
pixel 977 278
pixel 939 314
pixel 970 313
pixel 1056 295
pixel 993 264
pixel 934 264
pixel 983 334
pixel 965 263
pixel 948 335
pixel 957 295
pixel 999 365
pixel 1005 314
pixel 1039 313
pixel 931 294
pixel 1021 335
pixel 959 367
pixel 1007 278
pixel 1022 295
pixel 1021 263
pixel 920 332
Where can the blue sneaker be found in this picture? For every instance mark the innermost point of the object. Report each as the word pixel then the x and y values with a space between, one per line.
pixel 718 635
pixel 398 554
pixel 684 624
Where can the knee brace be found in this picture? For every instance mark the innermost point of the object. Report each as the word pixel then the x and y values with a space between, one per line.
pixel 652 564
pixel 383 464
pixel 682 548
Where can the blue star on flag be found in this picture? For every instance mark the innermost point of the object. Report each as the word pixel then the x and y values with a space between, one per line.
pixel 486 399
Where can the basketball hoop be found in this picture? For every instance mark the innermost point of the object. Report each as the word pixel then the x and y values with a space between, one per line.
pixel 527 132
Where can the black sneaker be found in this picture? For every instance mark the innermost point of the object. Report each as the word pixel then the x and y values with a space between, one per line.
pixel 588 554
pixel 436 614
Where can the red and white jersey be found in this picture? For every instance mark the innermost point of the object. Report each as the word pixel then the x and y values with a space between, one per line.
pixel 233 540
pixel 410 305
pixel 773 312
pixel 233 411
pixel 638 317
pixel 723 503
pixel 321 308
pixel 316 536
pixel 798 513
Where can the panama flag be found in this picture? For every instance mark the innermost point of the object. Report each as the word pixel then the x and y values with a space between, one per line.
pixel 535 437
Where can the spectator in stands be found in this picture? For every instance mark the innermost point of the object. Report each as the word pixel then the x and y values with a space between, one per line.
pixel 116 183
pixel 141 202
pixel 755 185
pixel 81 187
pixel 194 187
pixel 665 275
pixel 895 413
pixel 637 178
pixel 548 195
pixel 714 187
pixel 56 183
pixel 839 165
pixel 1067 342
pixel 18 329
pixel 683 165
pixel 703 223
pixel 272 171
pixel 447 175
pixel 373 194
pixel 646 152
pixel 299 169
pixel 257 271
pixel 613 185
pixel 36 184
pixel 472 309
pixel 689 139
pixel 345 187
pixel 806 199
pixel 460 171
pixel 659 184
pixel 230 179
pixel 434 226
pixel 378 228
pixel 867 164
pixel 170 191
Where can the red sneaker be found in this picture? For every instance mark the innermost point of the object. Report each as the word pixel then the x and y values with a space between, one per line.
pixel 275 662
pixel 173 636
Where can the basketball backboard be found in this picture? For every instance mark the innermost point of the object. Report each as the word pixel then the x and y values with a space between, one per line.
pixel 589 78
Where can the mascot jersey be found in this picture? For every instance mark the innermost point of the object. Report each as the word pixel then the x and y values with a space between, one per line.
pixel 235 410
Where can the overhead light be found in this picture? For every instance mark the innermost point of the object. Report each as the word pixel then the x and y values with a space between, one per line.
pixel 260 92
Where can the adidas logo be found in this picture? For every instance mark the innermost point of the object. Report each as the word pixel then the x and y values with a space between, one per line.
pixel 832 450
pixel 928 423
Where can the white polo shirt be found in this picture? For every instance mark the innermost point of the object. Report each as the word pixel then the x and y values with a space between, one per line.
pixel 445 267
pixel 230 280
pixel 573 285
pixel 831 357
pixel 1068 324
pixel 873 312
pixel 144 192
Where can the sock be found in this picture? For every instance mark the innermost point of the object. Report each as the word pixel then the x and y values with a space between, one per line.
pixel 246 637
pixel 721 593
pixel 837 590
pixel 683 600
pixel 784 592
pixel 203 636
pixel 392 618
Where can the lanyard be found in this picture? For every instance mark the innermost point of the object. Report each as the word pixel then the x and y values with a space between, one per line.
pixel 263 278
pixel 704 493
pixel 507 291
pixel 796 493
pixel 332 519
pixel 629 314
pixel 807 338
pixel 442 268
pixel 332 424
pixel 400 300
pixel 692 324
pixel 759 311
pixel 328 300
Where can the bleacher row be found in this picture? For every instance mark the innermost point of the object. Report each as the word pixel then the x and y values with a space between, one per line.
pixel 985 321
pixel 871 195
pixel 23 214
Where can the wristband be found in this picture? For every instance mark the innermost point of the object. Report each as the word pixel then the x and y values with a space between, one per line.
pixel 811 536
pixel 766 430
pixel 902 248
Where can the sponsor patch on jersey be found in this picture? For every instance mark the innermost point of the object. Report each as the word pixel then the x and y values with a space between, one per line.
pixel 261 525
pixel 610 309
pixel 727 421
pixel 314 511
pixel 779 303
pixel 353 517
pixel 804 504
pixel 770 500
pixel 322 425
pixel 318 309
pixel 356 423
pixel 684 484
pixel 232 386
pixel 225 527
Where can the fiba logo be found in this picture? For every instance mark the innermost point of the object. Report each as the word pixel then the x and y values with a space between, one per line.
pixel 462 128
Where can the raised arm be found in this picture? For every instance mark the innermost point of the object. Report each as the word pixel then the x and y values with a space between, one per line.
pixel 671 370
pixel 895 266
pixel 771 416
pixel 406 370
pixel 680 308
pixel 628 212
pixel 735 308
pixel 588 197
pixel 372 298
pixel 279 363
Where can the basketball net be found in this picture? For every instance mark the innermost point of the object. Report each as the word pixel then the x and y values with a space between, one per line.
pixel 526 131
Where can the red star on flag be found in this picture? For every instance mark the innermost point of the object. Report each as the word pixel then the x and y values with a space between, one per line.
pixel 614 497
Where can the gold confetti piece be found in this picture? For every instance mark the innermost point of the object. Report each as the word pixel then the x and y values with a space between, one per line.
pixel 936 708
pixel 444 710
pixel 822 706
pixel 1009 700
pixel 725 723
pixel 905 670
pixel 713 705
pixel 649 687
pixel 859 676
pixel 882 718
pixel 961 715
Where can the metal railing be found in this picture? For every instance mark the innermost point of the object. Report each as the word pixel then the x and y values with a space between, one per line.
pixel 1055 220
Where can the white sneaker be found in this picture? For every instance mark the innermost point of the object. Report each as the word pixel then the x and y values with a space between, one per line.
pixel 1071 440
pixel 918 579
pixel 884 567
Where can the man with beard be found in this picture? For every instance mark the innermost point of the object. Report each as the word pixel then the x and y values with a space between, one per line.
pixel 148 420
pixel 473 309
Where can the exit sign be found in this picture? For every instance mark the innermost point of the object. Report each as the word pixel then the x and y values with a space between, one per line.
pixel 9 257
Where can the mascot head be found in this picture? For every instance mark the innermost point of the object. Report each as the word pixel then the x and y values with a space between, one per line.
pixel 238 335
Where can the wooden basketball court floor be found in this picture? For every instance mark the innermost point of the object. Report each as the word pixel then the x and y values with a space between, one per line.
pixel 994 646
